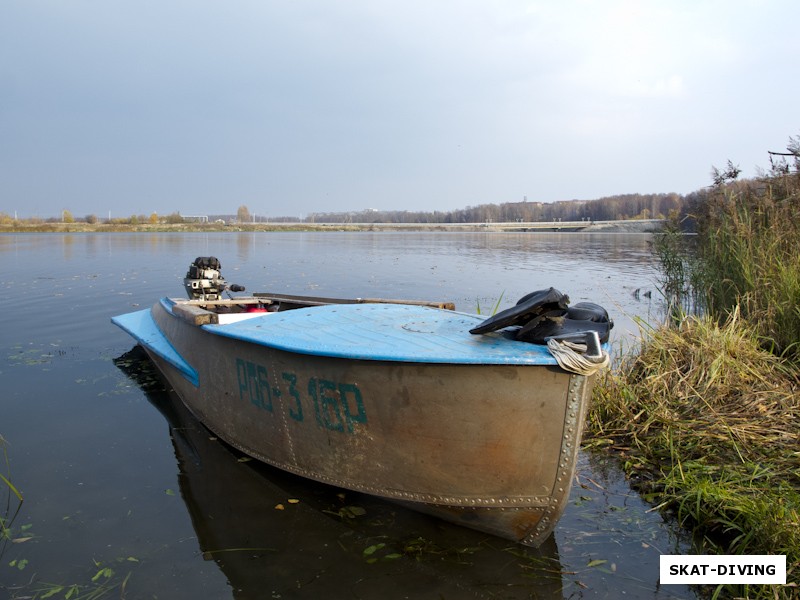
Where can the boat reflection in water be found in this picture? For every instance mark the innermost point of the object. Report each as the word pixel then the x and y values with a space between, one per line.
pixel 277 535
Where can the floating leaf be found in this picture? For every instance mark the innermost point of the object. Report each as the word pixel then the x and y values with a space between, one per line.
pixel 21 540
pixel 352 511
pixel 107 573
pixel 370 550
pixel 244 459
pixel 53 591
pixel 293 501
pixel 280 507
pixel 169 492
pixel 20 564
pixel 597 562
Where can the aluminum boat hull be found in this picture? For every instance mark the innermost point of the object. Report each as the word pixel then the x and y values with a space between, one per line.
pixel 482 431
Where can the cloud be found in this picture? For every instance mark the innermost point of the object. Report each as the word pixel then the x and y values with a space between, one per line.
pixel 309 105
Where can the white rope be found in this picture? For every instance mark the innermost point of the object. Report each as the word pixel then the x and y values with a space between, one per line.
pixel 572 357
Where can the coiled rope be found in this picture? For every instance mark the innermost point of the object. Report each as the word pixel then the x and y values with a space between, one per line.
pixel 572 357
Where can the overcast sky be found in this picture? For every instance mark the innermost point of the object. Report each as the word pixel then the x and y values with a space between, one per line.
pixel 298 106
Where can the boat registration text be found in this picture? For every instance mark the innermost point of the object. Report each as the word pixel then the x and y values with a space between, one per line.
pixel 335 406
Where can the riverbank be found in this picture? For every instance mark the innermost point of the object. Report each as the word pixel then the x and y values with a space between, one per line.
pixel 706 422
pixel 20 227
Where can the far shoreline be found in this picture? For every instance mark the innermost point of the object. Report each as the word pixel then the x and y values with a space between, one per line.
pixel 632 226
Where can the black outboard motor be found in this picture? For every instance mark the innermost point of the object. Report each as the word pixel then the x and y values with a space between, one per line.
pixel 204 281
pixel 545 314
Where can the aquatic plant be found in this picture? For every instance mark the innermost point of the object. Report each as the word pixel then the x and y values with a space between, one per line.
pixel 9 534
pixel 104 581
pixel 3 478
pixel 678 280
pixel 494 309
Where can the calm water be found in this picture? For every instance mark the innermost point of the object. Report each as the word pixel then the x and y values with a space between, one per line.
pixel 126 494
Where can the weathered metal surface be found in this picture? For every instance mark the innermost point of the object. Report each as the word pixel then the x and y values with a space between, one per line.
pixel 492 447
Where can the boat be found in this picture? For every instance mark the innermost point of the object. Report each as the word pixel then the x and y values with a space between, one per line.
pixel 476 421
pixel 270 530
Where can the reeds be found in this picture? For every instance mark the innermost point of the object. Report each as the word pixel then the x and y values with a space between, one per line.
pixel 678 282
pixel 748 257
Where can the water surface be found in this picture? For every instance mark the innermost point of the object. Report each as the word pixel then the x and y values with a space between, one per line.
pixel 124 488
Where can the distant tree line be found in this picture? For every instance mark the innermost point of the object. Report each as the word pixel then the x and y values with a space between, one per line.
pixel 611 208
pixel 67 217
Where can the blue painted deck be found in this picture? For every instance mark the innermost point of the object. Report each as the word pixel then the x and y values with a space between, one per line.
pixel 141 326
pixel 386 332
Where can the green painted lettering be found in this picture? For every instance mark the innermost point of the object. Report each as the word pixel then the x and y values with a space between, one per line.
pixel 253 382
pixel 297 412
pixel 241 374
pixel 357 413
pixel 329 405
pixel 337 406
pixel 264 392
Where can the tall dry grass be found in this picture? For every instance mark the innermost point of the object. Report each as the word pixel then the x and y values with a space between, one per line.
pixel 749 257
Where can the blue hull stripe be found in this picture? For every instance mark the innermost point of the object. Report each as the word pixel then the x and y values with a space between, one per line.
pixel 141 326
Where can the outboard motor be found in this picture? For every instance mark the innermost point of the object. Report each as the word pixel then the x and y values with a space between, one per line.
pixel 204 281
pixel 545 314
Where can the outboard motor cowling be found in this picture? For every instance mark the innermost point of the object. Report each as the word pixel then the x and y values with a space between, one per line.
pixel 545 314
pixel 204 281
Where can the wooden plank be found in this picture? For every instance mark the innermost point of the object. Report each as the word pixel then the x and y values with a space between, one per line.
pixel 318 301
pixel 442 305
pixel 194 314
pixel 221 302
pixel 301 301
